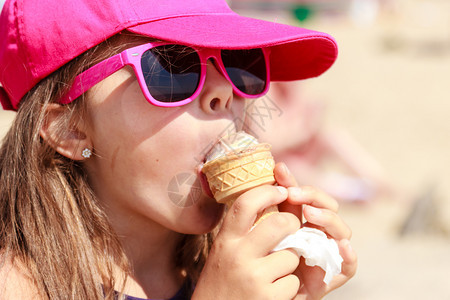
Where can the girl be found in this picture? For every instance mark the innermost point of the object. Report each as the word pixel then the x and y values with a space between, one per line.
pixel 116 102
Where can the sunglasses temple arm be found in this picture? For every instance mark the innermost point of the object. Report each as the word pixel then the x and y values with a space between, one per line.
pixel 84 81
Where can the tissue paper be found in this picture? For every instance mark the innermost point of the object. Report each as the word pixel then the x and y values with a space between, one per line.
pixel 316 248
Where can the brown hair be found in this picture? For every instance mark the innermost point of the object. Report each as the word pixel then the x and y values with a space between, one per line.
pixel 50 220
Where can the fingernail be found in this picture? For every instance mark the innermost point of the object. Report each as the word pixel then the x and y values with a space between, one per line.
pixel 295 192
pixel 285 169
pixel 347 245
pixel 282 190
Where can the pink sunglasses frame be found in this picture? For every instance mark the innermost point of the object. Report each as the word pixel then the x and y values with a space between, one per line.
pixel 132 57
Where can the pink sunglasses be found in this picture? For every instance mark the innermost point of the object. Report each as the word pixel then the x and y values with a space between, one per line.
pixel 172 75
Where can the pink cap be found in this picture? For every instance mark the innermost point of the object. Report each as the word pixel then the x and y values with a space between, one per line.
pixel 39 36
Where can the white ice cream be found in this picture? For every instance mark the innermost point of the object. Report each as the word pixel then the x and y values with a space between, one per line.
pixel 234 142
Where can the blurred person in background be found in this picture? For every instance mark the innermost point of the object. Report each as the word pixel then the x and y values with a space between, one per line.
pixel 317 154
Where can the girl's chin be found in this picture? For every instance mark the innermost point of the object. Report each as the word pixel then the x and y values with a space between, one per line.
pixel 207 217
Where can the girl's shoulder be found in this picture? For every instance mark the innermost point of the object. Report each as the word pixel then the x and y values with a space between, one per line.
pixel 15 281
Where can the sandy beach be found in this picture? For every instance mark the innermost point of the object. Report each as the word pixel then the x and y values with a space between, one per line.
pixel 389 89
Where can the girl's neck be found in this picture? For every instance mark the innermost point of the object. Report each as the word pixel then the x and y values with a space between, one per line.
pixel 150 252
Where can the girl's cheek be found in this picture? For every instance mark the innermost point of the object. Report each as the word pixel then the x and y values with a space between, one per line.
pixel 185 189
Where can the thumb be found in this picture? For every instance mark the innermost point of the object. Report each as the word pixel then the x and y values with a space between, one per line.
pixel 285 178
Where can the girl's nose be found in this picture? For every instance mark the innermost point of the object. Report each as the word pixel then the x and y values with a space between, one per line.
pixel 217 93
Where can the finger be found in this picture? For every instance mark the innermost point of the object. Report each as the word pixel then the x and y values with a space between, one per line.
pixel 311 279
pixel 349 265
pixel 311 225
pixel 271 231
pixel 243 212
pixel 283 176
pixel 279 264
pixel 288 206
pixel 330 221
pixel 350 259
pixel 312 196
pixel 285 287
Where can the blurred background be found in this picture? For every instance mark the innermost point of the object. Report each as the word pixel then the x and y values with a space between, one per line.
pixel 374 131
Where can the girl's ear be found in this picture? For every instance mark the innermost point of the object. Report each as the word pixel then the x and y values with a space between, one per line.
pixel 69 143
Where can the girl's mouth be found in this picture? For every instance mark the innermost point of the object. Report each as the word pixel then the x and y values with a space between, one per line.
pixel 203 182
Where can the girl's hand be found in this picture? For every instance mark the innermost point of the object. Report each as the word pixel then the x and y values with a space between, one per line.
pixel 241 264
pixel 320 211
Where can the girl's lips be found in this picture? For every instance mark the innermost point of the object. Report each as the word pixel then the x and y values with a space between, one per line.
pixel 204 182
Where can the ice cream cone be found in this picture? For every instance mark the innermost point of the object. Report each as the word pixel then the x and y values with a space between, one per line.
pixel 238 171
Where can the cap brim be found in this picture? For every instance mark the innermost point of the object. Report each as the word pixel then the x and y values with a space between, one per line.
pixel 296 53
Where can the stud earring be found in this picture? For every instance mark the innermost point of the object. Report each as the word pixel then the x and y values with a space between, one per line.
pixel 86 153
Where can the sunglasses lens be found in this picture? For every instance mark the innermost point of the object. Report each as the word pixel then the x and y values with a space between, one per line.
pixel 171 72
pixel 246 69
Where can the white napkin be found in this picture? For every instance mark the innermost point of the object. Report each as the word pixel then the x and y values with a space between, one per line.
pixel 317 250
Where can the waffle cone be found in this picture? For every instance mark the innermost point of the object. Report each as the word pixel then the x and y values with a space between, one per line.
pixel 235 173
